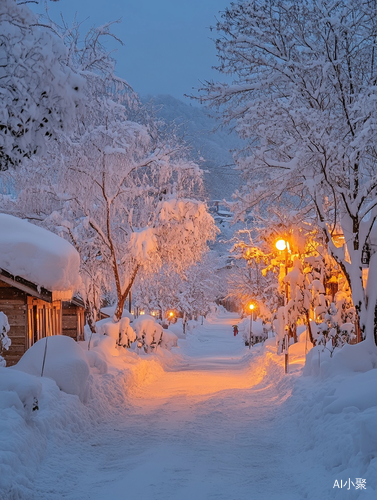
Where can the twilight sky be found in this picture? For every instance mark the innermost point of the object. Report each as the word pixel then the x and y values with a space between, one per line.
pixel 167 48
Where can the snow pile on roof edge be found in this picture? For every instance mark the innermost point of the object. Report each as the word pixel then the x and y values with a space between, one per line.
pixel 39 256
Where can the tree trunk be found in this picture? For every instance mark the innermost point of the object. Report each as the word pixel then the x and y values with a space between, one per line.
pixel 90 316
pixel 123 296
pixel 119 308
pixel 293 332
pixel 184 322
pixel 309 328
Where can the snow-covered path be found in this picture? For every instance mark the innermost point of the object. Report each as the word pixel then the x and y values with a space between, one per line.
pixel 212 427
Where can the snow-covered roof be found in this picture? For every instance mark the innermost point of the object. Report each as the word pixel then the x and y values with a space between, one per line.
pixel 39 256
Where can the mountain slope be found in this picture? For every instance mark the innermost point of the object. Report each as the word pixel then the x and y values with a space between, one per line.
pixel 221 180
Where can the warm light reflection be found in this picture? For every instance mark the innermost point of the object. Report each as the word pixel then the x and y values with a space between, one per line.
pixel 281 245
pixel 142 313
pixel 199 383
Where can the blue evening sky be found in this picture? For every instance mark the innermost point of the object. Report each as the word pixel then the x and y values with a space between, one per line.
pixel 167 42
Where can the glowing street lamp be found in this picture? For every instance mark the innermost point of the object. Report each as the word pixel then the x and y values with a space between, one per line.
pixel 250 307
pixel 170 315
pixel 283 246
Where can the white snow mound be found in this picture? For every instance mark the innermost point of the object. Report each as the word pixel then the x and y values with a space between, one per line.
pixel 19 390
pixel 66 363
pixel 39 256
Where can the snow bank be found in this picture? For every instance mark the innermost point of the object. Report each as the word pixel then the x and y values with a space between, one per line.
pixel 350 358
pixel 19 390
pixel 61 419
pixel 39 256
pixel 65 363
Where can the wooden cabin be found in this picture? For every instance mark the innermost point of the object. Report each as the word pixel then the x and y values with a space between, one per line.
pixel 33 314
pixel 73 318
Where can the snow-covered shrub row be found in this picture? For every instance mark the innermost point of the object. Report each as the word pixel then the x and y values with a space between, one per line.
pixel 145 335
pixel 150 335
pixel 121 331
pixel 5 341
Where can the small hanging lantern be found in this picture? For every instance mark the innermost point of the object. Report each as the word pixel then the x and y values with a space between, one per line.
pixel 365 254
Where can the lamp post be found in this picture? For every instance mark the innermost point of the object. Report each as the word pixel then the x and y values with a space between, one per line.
pixel 251 308
pixel 283 245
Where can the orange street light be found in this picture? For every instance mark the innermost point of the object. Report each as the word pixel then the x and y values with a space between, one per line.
pixel 251 307
pixel 170 315
pixel 281 245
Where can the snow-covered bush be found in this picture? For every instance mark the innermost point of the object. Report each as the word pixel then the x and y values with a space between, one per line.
pixel 5 341
pixel 150 335
pixel 126 333
pixel 259 331
pixel 122 332
pixel 65 362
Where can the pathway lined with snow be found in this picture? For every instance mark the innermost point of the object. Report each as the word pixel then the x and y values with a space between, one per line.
pixel 212 427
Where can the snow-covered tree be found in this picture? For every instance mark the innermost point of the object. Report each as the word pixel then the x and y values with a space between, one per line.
pixel 121 199
pixel 191 293
pixel 119 187
pixel 39 92
pixel 304 97
pixel 252 277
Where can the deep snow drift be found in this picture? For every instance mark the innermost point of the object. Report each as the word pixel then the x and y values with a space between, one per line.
pixel 210 419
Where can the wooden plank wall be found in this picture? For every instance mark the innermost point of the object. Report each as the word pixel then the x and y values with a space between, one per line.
pixel 13 304
pixel 69 320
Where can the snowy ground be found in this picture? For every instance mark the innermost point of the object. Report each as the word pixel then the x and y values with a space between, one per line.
pixel 213 420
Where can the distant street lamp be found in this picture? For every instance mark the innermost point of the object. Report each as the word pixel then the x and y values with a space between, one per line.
pixel 283 245
pixel 251 307
pixel 170 315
